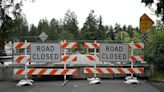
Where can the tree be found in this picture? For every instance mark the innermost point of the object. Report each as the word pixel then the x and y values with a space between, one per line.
pixel 111 33
pixel 90 27
pixel 65 35
pixel 102 30
pixel 124 28
pixel 159 7
pixel 33 30
pixel 130 31
pixel 19 29
pixel 117 27
pixel 125 36
pixel 136 36
pixel 159 25
pixel 70 23
pixel 155 49
pixel 54 29
pixel 9 10
pixel 43 26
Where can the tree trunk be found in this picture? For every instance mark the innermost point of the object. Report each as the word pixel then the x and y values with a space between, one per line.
pixel 2 50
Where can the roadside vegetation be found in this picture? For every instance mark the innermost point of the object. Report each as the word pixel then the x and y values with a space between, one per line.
pixel 14 26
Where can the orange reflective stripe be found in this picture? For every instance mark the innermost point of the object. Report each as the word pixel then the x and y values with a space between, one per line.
pixel 19 45
pixel 65 58
pixel 19 71
pixel 89 70
pixel 133 58
pixel 64 72
pixel 129 47
pixel 99 70
pixel 42 72
pixel 120 70
pixel 53 72
pixel 85 45
pixel 74 46
pixel 74 59
pixel 142 57
pixel 20 58
pixel 110 70
pixel 75 72
pixel 64 45
pixel 95 45
pixel 31 71
pixel 137 45
pixel 28 60
pixel 131 70
pixel 90 57
pixel 141 70
pixel 28 46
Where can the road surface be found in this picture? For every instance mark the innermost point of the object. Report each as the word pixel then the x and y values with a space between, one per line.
pixel 78 86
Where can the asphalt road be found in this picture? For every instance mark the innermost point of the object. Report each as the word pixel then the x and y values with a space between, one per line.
pixel 78 86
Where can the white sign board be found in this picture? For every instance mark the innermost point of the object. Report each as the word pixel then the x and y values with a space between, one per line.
pixel 45 52
pixel 114 52
pixel 43 36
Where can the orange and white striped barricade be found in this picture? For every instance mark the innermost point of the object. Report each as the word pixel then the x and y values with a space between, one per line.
pixel 91 57
pixel 133 46
pixel 25 59
pixel 79 59
pixel 136 58
pixel 20 45
pixel 92 45
pixel 132 57
pixel 136 45
pixel 67 45
pixel 86 59
pixel 45 71
pixel 22 59
pixel 69 58
pixel 90 70
pixel 70 45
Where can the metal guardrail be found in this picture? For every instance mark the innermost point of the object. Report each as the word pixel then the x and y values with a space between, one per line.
pixel 6 57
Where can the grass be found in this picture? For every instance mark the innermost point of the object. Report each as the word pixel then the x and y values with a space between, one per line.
pixel 157 77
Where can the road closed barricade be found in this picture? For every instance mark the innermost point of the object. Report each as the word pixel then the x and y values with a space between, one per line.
pixel 22 58
pixel 115 52
pixel 133 46
pixel 45 71
pixel 60 54
pixel 43 53
pixel 21 45
pixel 109 70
